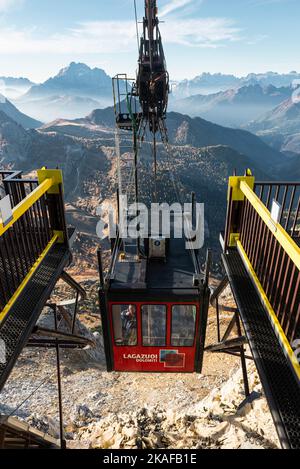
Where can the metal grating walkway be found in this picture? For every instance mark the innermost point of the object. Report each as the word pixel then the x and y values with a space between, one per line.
pixel 281 386
pixel 16 328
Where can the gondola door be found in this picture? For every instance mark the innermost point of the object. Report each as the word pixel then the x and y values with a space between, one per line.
pixel 154 337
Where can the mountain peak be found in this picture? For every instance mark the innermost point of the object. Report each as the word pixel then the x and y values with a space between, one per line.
pixel 79 69
pixel 77 80
pixel 74 67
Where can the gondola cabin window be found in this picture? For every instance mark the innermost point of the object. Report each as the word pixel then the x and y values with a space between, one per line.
pixel 183 325
pixel 154 323
pixel 125 325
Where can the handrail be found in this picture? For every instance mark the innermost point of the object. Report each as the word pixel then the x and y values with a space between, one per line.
pixel 33 269
pixel 73 284
pixel 270 255
pixel 287 243
pixel 219 290
pixel 36 222
pixel 277 183
pixel 25 204
pixel 272 314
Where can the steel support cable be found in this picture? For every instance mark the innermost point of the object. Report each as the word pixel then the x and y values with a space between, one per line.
pixel 152 153
pixel 136 26
pixel 116 246
pixel 114 258
pixel 129 183
pixel 119 156
pixel 176 183
pixel 45 381
pixel 155 163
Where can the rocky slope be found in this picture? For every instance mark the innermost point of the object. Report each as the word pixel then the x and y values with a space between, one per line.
pixel 198 132
pixel 183 130
pixel 15 142
pixel 22 119
pixel 284 118
pixel 49 108
pixel 219 421
pixel 280 127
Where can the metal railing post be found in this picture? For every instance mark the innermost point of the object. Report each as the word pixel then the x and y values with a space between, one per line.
pixel 55 202
pixel 235 208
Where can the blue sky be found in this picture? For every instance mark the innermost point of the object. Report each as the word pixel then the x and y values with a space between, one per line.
pixel 38 37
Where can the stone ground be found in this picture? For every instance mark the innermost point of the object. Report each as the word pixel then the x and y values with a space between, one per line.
pixel 114 410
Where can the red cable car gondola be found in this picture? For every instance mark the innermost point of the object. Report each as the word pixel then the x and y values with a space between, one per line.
pixel 154 300
pixel 154 313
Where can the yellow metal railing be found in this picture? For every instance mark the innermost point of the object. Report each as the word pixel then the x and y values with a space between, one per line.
pixel 27 279
pixel 287 243
pixel 36 225
pixel 271 257
pixel 26 204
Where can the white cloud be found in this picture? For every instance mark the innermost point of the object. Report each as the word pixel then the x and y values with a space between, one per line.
pixel 116 37
pixel 172 6
pixel 204 32
pixel 7 4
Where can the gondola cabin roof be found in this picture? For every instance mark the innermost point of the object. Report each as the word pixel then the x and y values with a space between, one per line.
pixel 173 277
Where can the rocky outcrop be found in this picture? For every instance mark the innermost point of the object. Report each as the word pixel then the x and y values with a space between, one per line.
pixel 221 420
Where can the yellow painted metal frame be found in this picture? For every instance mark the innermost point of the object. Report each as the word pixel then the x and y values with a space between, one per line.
pixel 235 185
pixel 49 182
pixel 233 238
pixel 272 315
pixel 25 204
pixel 55 175
pixel 290 247
pixel 13 299
pixel 57 181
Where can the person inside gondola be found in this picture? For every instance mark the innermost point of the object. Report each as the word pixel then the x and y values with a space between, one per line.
pixel 129 325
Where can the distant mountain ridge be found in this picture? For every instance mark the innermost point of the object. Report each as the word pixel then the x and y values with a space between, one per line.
pixel 14 141
pixel 208 83
pixel 203 156
pixel 13 81
pixel 76 79
pixel 22 119
pixel 280 127
pixel 78 89
pixel 13 87
pixel 285 118
pixel 85 150
pixel 50 108
pixel 233 107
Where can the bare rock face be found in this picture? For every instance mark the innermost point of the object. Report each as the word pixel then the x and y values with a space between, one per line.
pixel 44 424
pixel 218 421
pixel 14 141
pixel 82 415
